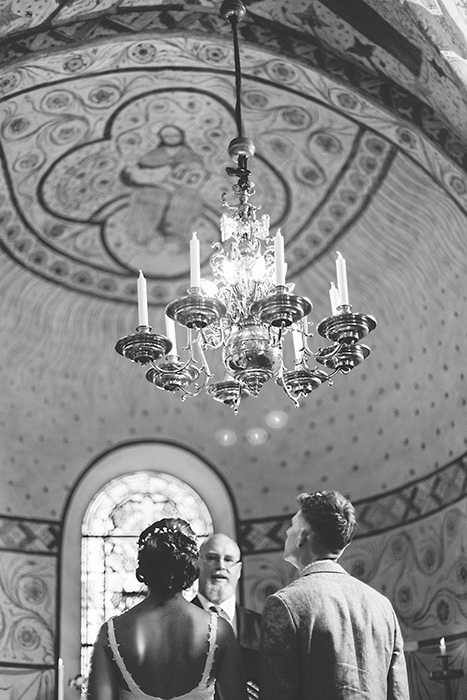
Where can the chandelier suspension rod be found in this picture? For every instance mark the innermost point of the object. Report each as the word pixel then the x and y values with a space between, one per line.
pixel 234 11
pixel 238 76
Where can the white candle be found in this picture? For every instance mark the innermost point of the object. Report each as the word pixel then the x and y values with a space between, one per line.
pixel 297 340
pixel 442 646
pixel 143 319
pixel 195 265
pixel 279 258
pixel 334 297
pixel 60 680
pixel 342 280
pixel 170 333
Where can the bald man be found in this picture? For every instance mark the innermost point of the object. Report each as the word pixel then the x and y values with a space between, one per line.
pixel 220 569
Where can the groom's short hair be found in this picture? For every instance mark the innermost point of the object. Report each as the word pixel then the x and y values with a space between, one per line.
pixel 331 516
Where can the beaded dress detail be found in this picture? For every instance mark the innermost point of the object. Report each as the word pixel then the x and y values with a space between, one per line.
pixel 203 691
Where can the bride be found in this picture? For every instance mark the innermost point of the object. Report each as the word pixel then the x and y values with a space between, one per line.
pixel 166 648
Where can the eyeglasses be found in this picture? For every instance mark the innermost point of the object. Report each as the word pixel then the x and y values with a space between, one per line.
pixel 216 559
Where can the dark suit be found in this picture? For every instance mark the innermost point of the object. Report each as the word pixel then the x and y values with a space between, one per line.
pixel 248 625
pixel 329 636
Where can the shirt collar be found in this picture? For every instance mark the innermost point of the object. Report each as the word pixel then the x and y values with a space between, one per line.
pixel 228 606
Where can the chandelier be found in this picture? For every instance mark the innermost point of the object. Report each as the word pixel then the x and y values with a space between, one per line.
pixel 247 311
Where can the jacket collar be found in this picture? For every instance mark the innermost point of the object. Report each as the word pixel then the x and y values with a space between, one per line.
pixel 323 565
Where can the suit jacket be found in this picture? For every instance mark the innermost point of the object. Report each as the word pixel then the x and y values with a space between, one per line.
pixel 248 636
pixel 328 636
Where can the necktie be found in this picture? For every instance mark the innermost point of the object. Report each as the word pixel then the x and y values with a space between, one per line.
pixel 217 609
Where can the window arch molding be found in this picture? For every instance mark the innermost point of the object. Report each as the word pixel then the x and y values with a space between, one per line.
pixel 150 455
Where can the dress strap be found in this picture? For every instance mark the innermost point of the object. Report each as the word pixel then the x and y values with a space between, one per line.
pixel 212 648
pixel 118 659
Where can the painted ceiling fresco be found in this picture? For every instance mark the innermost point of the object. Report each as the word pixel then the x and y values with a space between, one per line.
pixel 115 119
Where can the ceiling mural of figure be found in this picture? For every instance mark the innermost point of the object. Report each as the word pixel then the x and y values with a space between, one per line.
pixel 161 214
pixel 151 182
pixel 126 167
pixel 144 187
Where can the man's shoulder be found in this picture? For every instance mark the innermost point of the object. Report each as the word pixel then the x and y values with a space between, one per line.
pixel 319 588
pixel 196 601
pixel 292 587
pixel 310 584
pixel 287 597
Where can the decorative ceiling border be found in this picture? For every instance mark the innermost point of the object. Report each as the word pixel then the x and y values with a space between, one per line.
pixel 415 500
pixel 267 34
pixel 29 535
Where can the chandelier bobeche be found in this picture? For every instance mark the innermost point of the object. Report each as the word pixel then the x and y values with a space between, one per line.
pixel 248 310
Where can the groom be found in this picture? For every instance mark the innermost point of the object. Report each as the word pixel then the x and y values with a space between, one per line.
pixel 328 635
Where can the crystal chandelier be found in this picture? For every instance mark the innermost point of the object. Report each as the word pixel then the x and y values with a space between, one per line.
pixel 248 311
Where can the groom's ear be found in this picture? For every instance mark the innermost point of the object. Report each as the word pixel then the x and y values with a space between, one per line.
pixel 303 536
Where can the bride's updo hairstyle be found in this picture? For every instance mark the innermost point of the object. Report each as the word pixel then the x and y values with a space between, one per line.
pixel 167 557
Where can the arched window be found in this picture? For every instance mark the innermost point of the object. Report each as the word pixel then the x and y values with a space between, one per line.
pixel 150 477
pixel 117 514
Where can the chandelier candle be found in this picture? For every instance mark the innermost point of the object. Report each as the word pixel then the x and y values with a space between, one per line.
pixel 195 266
pixel 279 259
pixel 143 319
pixel 342 281
pixel 334 297
pixel 170 333
pixel 60 680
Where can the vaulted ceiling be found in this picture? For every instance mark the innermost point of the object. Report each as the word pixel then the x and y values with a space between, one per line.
pixel 115 118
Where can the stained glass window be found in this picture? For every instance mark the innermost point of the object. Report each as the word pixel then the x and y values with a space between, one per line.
pixel 111 526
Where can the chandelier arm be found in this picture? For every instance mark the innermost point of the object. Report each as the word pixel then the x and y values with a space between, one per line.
pixel 160 370
pixel 306 335
pixel 236 403
pixel 280 333
pixel 333 374
pixel 190 394
pixel 202 387
pixel 331 351
pixel 303 364
pixel 306 349
pixel 280 382
pixel 205 366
